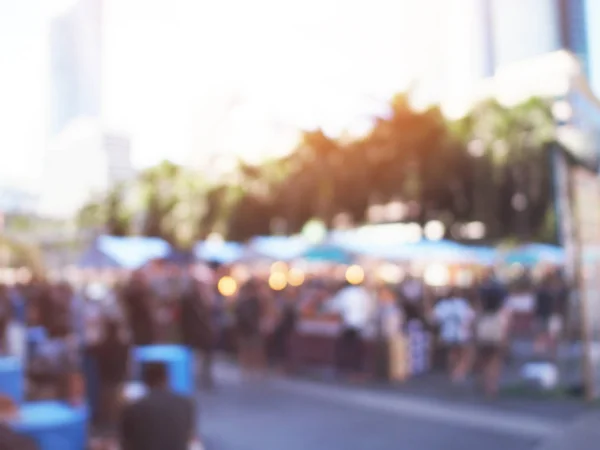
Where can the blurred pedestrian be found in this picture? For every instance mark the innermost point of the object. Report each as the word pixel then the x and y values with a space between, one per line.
pixel 492 331
pixel 112 356
pixel 455 317
pixel 391 343
pixel 197 328
pixel 251 351
pixel 285 321
pixel 354 304
pixel 137 302
pixel 13 334
pixel 10 440
pixel 160 420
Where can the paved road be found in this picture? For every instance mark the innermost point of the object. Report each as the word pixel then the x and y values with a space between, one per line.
pixel 298 415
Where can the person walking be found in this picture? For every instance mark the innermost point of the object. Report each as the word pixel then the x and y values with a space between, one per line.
pixel 455 317
pixel 391 343
pixel 355 305
pixel 492 331
pixel 161 419
pixel 137 298
pixel 197 328
pixel 249 314
pixel 112 356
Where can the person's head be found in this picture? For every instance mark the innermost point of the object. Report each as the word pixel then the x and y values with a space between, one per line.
pixel 155 375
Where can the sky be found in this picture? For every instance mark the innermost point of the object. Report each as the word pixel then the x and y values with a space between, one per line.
pixel 173 69
pixel 191 78
pixel 22 90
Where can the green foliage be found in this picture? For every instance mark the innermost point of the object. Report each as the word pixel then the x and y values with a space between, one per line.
pixel 20 254
pixel 410 156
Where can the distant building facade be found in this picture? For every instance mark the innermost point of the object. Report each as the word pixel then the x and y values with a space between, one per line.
pixel 76 64
pixel 518 30
pixel 82 157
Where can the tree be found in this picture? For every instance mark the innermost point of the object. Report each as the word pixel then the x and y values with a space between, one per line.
pixel 513 185
pixel 118 219
pixel 107 214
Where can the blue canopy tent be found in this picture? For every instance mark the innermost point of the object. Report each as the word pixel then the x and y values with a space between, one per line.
pixel 442 251
pixel 123 252
pixel 94 258
pixel 328 253
pixel 282 248
pixel 218 251
pixel 486 256
pixel 533 254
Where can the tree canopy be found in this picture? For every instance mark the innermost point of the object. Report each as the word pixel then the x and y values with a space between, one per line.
pixel 491 166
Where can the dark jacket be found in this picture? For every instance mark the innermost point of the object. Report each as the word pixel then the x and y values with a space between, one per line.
pixel 112 359
pixel 140 314
pixel 492 296
pixel 9 440
pixel 162 420
pixel 196 320
pixel 248 313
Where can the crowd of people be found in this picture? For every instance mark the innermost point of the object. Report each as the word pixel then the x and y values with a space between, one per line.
pixel 60 331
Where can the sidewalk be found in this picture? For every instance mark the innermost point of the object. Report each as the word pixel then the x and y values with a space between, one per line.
pixel 437 387
pixel 479 418
pixel 582 434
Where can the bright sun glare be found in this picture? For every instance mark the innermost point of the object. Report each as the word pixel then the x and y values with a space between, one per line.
pixel 57 7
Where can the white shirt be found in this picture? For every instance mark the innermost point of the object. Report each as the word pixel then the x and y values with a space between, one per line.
pixel 16 340
pixel 93 323
pixel 355 305
pixel 523 302
pixel 455 316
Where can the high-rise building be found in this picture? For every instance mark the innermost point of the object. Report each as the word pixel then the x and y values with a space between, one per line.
pixel 75 64
pixel 592 12
pixel 82 156
pixel 522 29
pixel 517 30
pixel 573 29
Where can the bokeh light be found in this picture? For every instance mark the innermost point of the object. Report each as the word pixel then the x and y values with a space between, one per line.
pixel 434 230
pixel 295 277
pixel 464 278
pixel 390 273
pixel 227 286
pixel 355 274
pixel 23 275
pixel 437 275
pixel 240 273
pixel 279 266
pixel 314 231
pixel 277 281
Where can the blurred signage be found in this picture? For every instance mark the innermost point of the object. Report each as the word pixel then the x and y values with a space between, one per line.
pixel 585 186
